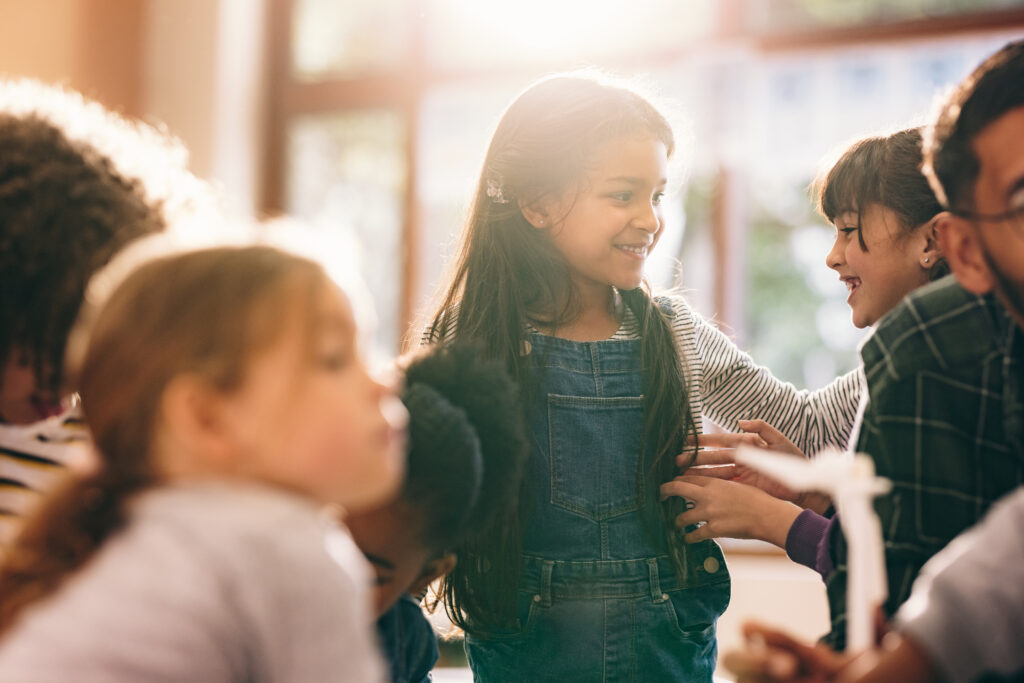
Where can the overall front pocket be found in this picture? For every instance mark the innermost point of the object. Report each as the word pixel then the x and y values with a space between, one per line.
pixel 595 451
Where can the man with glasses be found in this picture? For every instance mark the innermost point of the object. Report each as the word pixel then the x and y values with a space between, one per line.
pixel 945 369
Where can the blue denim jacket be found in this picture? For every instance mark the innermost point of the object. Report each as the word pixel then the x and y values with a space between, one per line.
pixel 598 597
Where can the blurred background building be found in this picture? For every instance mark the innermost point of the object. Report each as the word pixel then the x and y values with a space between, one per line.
pixel 368 119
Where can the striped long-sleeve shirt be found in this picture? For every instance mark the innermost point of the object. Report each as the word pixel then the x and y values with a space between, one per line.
pixel 34 458
pixel 724 384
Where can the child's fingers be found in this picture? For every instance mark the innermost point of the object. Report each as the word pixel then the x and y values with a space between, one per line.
pixel 701 533
pixel 770 636
pixel 811 662
pixel 774 439
pixel 729 440
pixel 713 471
pixel 688 518
pixel 711 456
pixel 681 488
pixel 758 667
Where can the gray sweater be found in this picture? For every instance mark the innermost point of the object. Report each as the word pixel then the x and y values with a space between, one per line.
pixel 208 582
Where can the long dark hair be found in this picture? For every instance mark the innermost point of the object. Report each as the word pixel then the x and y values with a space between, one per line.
pixel 883 170
pixel 157 325
pixel 506 274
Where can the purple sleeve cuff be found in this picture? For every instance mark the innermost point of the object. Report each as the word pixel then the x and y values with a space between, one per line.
pixel 805 538
pixel 823 558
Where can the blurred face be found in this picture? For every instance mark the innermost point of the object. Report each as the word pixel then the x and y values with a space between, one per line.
pixel 999 189
pixel 313 420
pixel 607 226
pixel 21 400
pixel 878 277
pixel 389 538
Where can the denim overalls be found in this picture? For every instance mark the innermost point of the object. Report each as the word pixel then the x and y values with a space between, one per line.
pixel 598 599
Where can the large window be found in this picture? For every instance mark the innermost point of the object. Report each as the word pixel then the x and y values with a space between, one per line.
pixel 382 112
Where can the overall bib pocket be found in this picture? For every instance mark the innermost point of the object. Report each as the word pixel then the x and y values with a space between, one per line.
pixel 594 462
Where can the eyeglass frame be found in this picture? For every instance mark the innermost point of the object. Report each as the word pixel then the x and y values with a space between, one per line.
pixel 1004 216
pixel 1016 215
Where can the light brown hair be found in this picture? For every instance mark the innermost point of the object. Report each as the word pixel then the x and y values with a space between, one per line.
pixel 204 312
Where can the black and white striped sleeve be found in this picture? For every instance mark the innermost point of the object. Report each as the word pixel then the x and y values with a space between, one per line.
pixel 730 386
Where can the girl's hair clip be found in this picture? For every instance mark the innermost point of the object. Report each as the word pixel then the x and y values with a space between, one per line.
pixel 495 192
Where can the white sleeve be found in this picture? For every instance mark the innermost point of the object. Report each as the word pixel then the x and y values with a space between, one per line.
pixel 967 606
pixel 733 387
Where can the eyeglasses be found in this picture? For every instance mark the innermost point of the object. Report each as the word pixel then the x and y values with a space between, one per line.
pixel 1014 215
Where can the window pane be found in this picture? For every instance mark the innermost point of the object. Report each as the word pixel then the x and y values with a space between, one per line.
pixel 781 16
pixel 804 108
pixel 765 122
pixel 485 33
pixel 349 37
pixel 346 176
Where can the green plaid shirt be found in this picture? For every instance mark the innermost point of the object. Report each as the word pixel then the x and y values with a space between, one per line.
pixel 945 422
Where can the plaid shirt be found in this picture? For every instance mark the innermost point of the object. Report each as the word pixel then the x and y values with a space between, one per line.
pixel 945 422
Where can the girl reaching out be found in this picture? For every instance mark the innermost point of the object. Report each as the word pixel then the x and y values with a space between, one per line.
pixel 228 402
pixel 588 579
pixel 885 247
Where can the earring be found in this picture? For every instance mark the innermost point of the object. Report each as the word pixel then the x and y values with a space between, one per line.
pixel 926 259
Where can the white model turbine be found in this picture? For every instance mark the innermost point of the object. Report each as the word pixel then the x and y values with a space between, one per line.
pixel 850 479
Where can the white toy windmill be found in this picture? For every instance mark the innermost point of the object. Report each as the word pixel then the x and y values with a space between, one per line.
pixel 850 480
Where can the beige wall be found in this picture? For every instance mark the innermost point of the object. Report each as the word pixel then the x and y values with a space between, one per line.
pixel 93 46
pixel 194 66
pixel 179 55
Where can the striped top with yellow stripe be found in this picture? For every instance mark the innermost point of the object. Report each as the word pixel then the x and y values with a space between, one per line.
pixel 34 458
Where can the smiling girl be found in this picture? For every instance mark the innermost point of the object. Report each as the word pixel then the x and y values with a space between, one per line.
pixel 882 209
pixel 588 579
pixel 886 246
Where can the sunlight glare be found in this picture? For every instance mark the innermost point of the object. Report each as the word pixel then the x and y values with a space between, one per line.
pixel 551 29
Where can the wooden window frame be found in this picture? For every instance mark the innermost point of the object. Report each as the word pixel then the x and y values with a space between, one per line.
pixel 404 88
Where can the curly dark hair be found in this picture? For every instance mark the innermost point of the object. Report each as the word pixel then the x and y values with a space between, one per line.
pixel 471 501
pixel 64 212
pixel 468 442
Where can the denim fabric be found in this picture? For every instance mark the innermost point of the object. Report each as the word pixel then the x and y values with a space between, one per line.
pixel 598 597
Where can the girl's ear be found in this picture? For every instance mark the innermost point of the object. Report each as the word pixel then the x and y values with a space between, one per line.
pixel 432 571
pixel 536 213
pixel 931 252
pixel 192 417
pixel 959 243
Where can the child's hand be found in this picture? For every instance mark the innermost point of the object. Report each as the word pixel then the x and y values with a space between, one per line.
pixel 771 655
pixel 715 459
pixel 730 509
pixel 775 440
